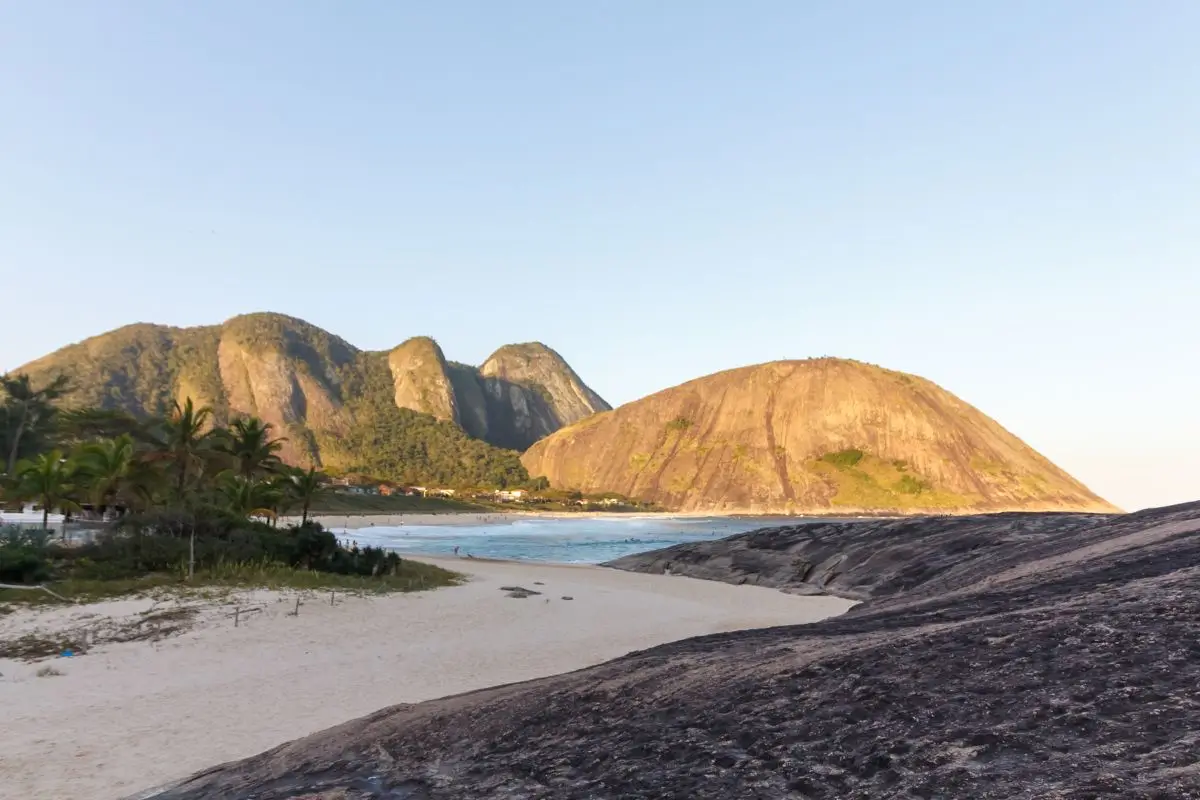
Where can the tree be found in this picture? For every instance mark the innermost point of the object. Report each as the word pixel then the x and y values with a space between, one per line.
pixel 28 410
pixel 185 443
pixel 46 479
pixel 76 426
pixel 248 441
pixel 115 473
pixel 306 487
pixel 245 497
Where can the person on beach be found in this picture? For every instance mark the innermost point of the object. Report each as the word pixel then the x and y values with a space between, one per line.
pixel 455 549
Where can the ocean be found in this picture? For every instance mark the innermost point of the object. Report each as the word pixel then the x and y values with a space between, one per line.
pixel 588 540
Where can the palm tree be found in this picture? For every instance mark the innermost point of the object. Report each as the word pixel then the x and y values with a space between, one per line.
pixel 28 409
pixel 305 487
pixel 248 441
pixel 47 479
pixel 82 425
pixel 115 473
pixel 245 497
pixel 185 444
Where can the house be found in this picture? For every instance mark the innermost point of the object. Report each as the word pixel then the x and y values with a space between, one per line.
pixel 511 495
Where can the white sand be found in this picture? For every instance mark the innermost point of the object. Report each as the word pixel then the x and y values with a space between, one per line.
pixel 126 717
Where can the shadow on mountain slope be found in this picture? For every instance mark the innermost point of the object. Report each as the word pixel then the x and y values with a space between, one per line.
pixel 994 657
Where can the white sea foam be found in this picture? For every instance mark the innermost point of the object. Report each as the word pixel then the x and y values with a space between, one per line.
pixel 588 540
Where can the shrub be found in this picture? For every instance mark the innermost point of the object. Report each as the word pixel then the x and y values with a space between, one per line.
pixel 23 564
pixel 843 458
pixel 136 549
pixel 679 424
pixel 24 557
pixel 910 485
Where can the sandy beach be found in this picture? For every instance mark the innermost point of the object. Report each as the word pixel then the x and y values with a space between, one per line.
pixel 126 717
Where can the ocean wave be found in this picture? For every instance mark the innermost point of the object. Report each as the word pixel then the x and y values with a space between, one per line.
pixel 557 540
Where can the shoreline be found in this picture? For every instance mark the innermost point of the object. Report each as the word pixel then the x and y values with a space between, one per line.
pixel 467 518
pixel 352 521
pixel 274 675
pixel 461 518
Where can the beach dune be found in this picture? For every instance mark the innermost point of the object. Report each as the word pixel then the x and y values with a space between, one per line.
pixel 127 717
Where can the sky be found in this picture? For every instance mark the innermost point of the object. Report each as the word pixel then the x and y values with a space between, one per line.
pixel 1001 197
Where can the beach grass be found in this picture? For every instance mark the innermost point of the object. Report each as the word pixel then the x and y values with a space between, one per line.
pixel 409 576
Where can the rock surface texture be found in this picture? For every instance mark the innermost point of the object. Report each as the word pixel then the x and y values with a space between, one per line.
pixel 818 436
pixel 994 657
pixel 422 380
pixel 531 392
pixel 864 560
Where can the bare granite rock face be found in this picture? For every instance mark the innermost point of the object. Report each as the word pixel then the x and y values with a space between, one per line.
pixel 421 379
pixel 1017 656
pixel 822 435
pixel 530 392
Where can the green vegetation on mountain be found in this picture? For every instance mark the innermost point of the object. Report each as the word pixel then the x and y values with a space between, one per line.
pixel 804 437
pixel 415 448
pixel 406 415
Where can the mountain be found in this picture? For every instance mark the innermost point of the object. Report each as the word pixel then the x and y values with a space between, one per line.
pixel 405 414
pixel 999 656
pixel 522 393
pixel 817 436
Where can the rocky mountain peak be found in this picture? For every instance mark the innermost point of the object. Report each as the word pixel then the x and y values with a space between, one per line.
pixel 817 436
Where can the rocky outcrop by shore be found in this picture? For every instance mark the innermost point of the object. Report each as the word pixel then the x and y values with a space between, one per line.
pixel 1014 656
pixel 865 560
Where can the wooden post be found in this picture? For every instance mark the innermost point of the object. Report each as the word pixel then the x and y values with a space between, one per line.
pixel 331 594
pixel 39 587
pixel 237 614
pixel 297 606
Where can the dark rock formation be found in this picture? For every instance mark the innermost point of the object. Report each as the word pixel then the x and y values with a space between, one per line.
pixel 878 558
pixel 1047 657
pixel 519 592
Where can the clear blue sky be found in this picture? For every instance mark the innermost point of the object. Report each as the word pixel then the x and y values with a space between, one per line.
pixel 1003 197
